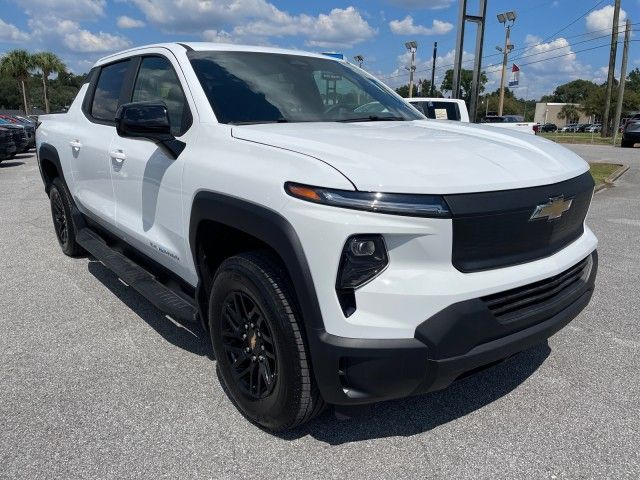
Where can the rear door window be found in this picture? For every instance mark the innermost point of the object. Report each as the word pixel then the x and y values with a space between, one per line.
pixel 108 88
pixel 440 110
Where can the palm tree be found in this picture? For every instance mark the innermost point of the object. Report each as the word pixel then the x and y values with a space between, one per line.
pixel 47 63
pixel 569 112
pixel 16 64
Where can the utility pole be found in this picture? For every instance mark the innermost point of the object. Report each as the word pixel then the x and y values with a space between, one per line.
pixel 504 18
pixel 456 80
pixel 623 79
pixel 612 67
pixel 412 47
pixel 433 69
pixel 477 65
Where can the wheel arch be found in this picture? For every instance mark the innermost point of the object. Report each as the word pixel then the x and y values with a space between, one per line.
pixel 264 226
pixel 49 164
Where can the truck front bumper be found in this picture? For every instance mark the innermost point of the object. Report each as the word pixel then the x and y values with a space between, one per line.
pixel 463 337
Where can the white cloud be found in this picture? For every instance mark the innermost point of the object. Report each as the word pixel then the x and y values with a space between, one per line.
pixel 69 9
pixel 66 35
pixel 128 22
pixel 11 33
pixel 217 36
pixel 601 21
pixel 255 21
pixel 430 4
pixel 407 27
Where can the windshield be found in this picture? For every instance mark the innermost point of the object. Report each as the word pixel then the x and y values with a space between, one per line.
pixel 255 87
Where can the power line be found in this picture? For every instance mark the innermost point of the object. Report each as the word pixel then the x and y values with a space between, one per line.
pixel 444 67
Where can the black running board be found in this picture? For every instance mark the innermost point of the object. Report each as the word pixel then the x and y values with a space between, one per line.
pixel 137 277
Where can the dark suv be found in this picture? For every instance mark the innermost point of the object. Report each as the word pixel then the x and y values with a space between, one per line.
pixel 7 145
pixel 548 127
pixel 28 125
pixel 631 132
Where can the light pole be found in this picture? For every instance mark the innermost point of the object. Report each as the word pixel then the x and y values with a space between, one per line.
pixel 359 60
pixel 433 69
pixel 412 47
pixel 507 19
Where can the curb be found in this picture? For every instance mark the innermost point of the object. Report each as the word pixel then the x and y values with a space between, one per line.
pixel 610 180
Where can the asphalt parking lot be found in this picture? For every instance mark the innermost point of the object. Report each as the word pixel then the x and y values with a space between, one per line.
pixel 96 383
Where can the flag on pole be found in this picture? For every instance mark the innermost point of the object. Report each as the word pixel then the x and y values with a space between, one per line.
pixel 515 76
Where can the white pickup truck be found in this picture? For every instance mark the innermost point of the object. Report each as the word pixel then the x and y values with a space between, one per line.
pixel 456 109
pixel 335 252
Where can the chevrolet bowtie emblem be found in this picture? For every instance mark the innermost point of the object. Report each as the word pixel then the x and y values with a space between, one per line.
pixel 553 209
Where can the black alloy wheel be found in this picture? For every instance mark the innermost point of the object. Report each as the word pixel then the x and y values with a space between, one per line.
pixel 59 217
pixel 248 344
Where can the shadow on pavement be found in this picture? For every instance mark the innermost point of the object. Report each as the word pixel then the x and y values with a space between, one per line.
pixel 411 416
pixel 190 337
pixel 11 163
pixel 404 417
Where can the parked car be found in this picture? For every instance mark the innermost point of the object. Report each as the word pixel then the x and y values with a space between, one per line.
pixel 631 132
pixel 571 127
pixel 512 122
pixel 20 135
pixel 548 127
pixel 7 145
pixel 29 127
pixel 594 128
pixel 334 256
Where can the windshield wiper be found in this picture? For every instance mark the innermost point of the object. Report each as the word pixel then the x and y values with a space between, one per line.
pixel 372 118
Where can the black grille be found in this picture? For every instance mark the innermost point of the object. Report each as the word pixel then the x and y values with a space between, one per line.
pixel 513 305
pixel 493 229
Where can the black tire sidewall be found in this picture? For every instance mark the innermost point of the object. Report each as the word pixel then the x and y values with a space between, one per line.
pixel 70 247
pixel 280 408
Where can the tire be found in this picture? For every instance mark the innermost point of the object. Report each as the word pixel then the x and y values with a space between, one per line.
pixel 64 227
pixel 251 296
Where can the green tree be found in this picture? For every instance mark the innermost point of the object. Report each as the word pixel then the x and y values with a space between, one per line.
pixel 633 80
pixel 576 91
pixel 47 63
pixel 425 88
pixel 466 80
pixel 16 64
pixel 570 113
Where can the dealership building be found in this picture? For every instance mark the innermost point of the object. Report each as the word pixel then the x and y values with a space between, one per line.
pixel 548 113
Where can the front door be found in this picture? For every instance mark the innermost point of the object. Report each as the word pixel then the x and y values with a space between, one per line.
pixel 147 181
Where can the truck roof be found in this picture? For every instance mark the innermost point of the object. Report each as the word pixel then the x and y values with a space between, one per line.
pixel 210 46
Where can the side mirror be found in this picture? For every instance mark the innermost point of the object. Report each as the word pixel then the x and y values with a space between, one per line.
pixel 148 120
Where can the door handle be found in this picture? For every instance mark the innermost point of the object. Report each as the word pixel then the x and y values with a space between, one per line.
pixel 75 144
pixel 118 155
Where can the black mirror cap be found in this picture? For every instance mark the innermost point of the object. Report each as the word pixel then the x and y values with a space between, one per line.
pixel 148 120
pixel 144 120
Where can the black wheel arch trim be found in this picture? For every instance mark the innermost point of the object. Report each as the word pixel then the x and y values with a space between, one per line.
pixel 48 152
pixel 271 228
pixel 274 230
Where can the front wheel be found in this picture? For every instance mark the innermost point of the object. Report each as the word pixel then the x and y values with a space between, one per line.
pixel 259 345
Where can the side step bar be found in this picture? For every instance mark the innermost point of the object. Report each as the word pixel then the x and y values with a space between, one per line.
pixel 137 277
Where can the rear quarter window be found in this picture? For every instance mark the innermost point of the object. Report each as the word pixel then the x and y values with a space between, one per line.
pixel 107 93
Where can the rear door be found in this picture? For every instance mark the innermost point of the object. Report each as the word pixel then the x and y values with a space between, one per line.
pixel 147 181
pixel 90 141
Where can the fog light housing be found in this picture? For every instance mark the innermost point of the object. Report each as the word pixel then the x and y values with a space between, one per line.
pixel 363 258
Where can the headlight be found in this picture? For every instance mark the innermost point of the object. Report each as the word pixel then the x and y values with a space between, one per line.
pixel 391 203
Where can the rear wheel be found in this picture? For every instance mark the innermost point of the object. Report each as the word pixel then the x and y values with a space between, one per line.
pixel 258 342
pixel 60 200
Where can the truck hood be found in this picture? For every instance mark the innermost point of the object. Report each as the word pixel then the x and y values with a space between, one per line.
pixel 424 156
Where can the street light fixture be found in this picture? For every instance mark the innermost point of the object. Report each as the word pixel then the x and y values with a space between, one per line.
pixel 411 46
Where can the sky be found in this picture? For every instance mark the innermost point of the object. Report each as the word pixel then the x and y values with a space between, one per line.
pixel 575 32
